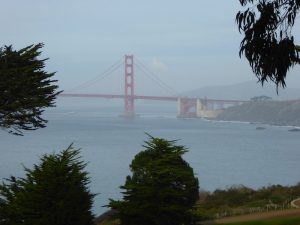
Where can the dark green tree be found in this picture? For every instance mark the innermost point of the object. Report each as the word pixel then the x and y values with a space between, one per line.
pixel 54 192
pixel 25 89
pixel 268 43
pixel 162 189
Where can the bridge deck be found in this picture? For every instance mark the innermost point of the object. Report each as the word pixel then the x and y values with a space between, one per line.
pixel 158 98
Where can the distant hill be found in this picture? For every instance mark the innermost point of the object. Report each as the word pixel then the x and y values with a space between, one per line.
pixel 271 112
pixel 245 91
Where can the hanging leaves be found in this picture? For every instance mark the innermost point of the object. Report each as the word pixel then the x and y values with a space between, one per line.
pixel 268 44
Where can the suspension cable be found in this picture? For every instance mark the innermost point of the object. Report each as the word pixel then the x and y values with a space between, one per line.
pixel 154 78
pixel 99 77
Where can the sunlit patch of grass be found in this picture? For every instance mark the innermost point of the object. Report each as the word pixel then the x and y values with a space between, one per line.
pixel 110 222
pixel 274 221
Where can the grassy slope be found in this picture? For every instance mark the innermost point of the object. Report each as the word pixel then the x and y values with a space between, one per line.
pixel 280 215
pixel 240 200
pixel 277 221
pixel 270 112
pixel 273 221
pixel 109 222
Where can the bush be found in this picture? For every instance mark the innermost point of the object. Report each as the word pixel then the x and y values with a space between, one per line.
pixel 54 192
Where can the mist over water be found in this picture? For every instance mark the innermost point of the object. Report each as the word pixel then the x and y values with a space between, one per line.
pixel 221 153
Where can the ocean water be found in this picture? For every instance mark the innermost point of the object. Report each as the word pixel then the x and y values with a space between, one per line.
pixel 221 153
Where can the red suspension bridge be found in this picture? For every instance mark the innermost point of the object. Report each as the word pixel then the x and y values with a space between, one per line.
pixel 186 106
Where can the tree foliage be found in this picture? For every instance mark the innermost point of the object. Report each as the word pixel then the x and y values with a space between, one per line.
pixel 162 189
pixel 25 89
pixel 268 43
pixel 54 192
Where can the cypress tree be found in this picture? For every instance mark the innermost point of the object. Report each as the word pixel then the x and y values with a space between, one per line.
pixel 54 192
pixel 25 89
pixel 162 189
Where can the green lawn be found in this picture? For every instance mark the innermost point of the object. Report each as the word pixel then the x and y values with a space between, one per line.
pixel 275 221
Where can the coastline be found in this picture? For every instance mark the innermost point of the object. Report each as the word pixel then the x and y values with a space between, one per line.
pixel 254 123
pixel 274 113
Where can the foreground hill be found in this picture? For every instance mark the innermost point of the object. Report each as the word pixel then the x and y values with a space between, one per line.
pixel 285 113
pixel 239 204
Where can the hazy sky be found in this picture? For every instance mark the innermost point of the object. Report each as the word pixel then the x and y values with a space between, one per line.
pixel 187 44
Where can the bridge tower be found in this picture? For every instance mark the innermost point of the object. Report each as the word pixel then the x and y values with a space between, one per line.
pixel 129 87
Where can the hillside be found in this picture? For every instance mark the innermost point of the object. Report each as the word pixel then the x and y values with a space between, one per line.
pixel 270 112
pixel 245 91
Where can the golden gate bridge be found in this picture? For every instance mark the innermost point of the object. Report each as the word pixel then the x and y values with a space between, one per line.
pixel 186 106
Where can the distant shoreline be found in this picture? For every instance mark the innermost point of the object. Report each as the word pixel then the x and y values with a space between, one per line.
pixel 253 123
pixel 274 113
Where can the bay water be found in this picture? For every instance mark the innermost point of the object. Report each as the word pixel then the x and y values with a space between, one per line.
pixel 221 153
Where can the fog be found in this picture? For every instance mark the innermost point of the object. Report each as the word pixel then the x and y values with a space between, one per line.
pixel 187 44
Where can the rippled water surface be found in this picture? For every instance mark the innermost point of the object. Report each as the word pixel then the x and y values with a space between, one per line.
pixel 221 153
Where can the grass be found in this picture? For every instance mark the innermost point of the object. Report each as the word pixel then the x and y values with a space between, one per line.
pixel 241 200
pixel 274 221
pixel 284 220
pixel 110 222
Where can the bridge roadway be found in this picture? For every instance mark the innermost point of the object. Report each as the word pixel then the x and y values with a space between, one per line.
pixel 159 98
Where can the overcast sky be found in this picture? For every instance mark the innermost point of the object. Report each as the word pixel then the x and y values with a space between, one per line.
pixel 187 44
